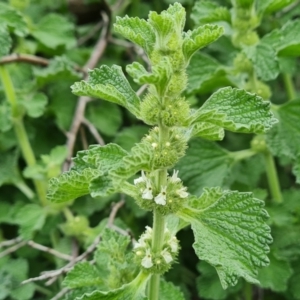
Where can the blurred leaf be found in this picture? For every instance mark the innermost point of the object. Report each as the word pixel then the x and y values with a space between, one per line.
pixel 296 169
pixel 168 291
pixel 230 233
pixel 5 116
pixel 34 104
pixel 106 117
pixel 205 165
pixel 13 20
pixel 5 39
pixel 55 31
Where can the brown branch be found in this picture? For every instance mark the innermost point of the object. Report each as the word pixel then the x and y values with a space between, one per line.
pixel 60 294
pixel 90 34
pixel 93 131
pixel 12 249
pixel 83 100
pixel 31 59
pixel 10 242
pixel 114 211
pixel 84 142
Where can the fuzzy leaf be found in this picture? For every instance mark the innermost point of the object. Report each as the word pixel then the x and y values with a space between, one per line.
pixel 83 274
pixel 281 139
pixel 5 40
pixel 55 31
pixel 59 68
pixel 208 131
pixel 206 12
pixel 287 36
pixel 202 70
pixel 71 185
pixel 236 110
pixel 230 233
pixel 13 20
pixel 31 218
pixel 162 23
pixel 169 291
pixel 136 30
pixel 276 275
pixel 264 59
pixel 200 38
pixel 111 85
pixel 205 164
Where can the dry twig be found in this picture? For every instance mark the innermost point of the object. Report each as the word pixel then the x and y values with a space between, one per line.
pixel 93 131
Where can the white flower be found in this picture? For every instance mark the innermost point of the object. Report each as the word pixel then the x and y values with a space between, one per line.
pixel 182 192
pixel 173 243
pixel 167 256
pixel 161 198
pixel 147 260
pixel 174 177
pixel 143 178
pixel 147 192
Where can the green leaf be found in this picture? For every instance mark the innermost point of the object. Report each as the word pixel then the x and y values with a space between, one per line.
pixel 264 59
pixel 202 70
pixel 5 116
pixel 208 131
pixel 168 290
pixel 136 30
pixel 296 169
pixel 270 6
pixel 71 185
pixel 276 275
pixel 34 104
pixel 133 290
pixel 111 85
pixel 209 285
pixel 31 218
pixel 163 24
pixel 107 117
pixel 205 165
pixel 13 20
pixel 230 233
pixel 284 38
pixel 83 274
pixel 88 165
pixel 206 12
pixel 55 31
pixel 200 38
pixel 59 68
pixel 281 139
pixel 236 110
pixel 5 41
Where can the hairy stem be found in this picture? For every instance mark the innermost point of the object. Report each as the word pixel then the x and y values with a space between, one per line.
pixel 20 131
pixel 289 86
pixel 158 221
pixel 272 177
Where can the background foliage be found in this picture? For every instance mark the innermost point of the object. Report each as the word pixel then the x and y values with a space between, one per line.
pixel 45 46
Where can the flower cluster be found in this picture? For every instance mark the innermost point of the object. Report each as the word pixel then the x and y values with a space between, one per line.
pixel 166 198
pixel 156 262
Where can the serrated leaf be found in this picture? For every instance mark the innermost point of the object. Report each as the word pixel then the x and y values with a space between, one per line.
pixel 111 85
pixel 34 104
pixel 281 39
pixel 205 164
pixel 281 139
pixel 13 20
pixel 230 234
pixel 200 38
pixel 264 59
pixel 276 275
pixel 83 274
pixel 133 290
pixel 203 69
pixel 59 68
pixel 31 218
pixel 55 31
pixel 136 30
pixel 168 290
pixel 206 11
pixel 163 24
pixel 236 110
pixel 160 76
pixel 71 185
pixel 5 41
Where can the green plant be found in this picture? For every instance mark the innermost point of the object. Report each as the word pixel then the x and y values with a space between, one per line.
pixel 228 226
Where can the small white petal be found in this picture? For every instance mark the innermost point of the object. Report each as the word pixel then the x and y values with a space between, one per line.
pixel 143 178
pixel 175 177
pixel 147 260
pixel 173 244
pixel 167 256
pixel 161 198
pixel 139 244
pixel 147 193
pixel 182 192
